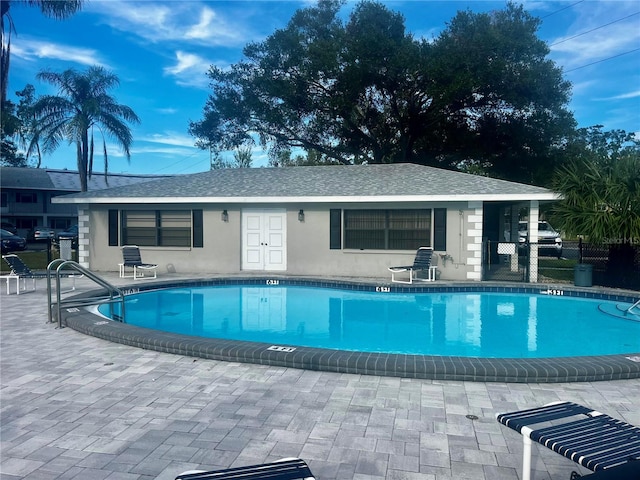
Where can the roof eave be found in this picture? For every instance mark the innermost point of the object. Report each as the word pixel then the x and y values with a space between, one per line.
pixel 542 196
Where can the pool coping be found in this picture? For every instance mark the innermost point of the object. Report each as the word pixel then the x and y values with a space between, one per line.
pixel 512 370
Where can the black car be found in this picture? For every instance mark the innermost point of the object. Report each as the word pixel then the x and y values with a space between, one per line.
pixel 72 233
pixel 9 227
pixel 12 242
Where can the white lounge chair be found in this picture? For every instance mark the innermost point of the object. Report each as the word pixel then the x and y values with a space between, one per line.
pixel 422 263
pixel 132 259
pixel 20 271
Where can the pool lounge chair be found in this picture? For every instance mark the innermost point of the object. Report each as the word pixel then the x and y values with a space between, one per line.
pixel 285 469
pixel 132 259
pixel 422 263
pixel 19 271
pixel 598 442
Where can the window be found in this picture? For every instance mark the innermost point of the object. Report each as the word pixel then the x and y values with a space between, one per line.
pixel 161 228
pixel 387 229
pixel 4 199
pixel 23 197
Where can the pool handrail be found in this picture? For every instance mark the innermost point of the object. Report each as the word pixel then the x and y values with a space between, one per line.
pixel 637 304
pixel 114 293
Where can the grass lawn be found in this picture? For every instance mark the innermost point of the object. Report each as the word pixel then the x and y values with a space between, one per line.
pixel 560 270
pixel 35 260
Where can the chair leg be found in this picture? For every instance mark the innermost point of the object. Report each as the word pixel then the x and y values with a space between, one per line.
pixel 526 458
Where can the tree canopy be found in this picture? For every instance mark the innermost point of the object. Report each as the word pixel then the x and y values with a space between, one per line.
pixel 600 187
pixel 82 106
pixel 480 95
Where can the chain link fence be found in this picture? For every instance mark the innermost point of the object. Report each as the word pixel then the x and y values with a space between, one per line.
pixel 615 265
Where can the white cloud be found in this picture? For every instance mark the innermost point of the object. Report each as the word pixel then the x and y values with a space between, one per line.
pixel 601 30
pixel 189 70
pixel 186 61
pixel 34 50
pixel 204 29
pixel 623 96
pixel 156 22
pixel 169 138
pixel 167 110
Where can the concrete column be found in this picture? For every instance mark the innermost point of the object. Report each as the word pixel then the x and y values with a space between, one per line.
pixel 473 235
pixel 532 228
pixel 83 236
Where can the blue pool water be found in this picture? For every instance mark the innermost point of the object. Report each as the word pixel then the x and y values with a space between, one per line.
pixel 476 324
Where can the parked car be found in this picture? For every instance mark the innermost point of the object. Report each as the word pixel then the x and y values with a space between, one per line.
pixel 72 233
pixel 549 240
pixel 12 242
pixel 41 233
pixel 9 227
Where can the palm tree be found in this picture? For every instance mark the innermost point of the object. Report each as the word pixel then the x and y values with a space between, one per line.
pixel 601 200
pixel 58 9
pixel 82 106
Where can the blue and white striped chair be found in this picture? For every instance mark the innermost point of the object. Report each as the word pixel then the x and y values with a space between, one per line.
pixel 592 439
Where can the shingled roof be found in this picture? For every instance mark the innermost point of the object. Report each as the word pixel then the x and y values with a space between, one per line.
pixel 387 182
pixel 64 180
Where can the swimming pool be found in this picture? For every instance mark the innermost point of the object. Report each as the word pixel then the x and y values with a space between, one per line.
pixel 584 366
pixel 466 324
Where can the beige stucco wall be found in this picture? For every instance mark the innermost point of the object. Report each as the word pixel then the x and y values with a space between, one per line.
pixel 308 251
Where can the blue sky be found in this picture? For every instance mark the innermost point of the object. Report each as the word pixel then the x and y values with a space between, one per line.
pixel 161 50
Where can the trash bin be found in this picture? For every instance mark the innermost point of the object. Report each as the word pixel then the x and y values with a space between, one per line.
pixel 583 273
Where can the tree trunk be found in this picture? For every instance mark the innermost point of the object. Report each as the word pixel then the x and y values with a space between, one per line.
pixel 82 165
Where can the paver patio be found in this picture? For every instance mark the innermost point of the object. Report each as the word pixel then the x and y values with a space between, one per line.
pixel 77 407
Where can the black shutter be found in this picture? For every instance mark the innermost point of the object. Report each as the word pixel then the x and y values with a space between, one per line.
pixel 440 229
pixel 335 227
pixel 198 235
pixel 113 228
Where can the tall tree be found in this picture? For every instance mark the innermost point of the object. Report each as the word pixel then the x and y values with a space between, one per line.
pixel 480 96
pixel 58 9
pixel 82 106
pixel 28 124
pixel 600 188
pixel 505 101
pixel 242 157
pixel 9 155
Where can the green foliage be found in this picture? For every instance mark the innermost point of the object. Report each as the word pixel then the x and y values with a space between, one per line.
pixel 242 157
pixel 58 9
pixel 82 106
pixel 284 158
pixel 9 155
pixel 481 97
pixel 601 188
pixel 27 133
pixel 9 125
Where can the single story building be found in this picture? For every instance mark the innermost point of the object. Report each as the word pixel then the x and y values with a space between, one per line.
pixel 318 220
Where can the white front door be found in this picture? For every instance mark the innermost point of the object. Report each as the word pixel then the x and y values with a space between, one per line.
pixel 264 234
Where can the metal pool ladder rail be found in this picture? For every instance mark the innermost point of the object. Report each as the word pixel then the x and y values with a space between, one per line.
pixel 635 305
pixel 113 294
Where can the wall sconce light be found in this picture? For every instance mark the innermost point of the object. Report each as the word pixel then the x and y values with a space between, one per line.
pixel 301 215
pixel 225 216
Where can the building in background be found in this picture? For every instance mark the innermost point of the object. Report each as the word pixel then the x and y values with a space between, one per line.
pixel 26 193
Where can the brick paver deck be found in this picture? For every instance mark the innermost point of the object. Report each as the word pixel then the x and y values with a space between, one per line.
pixel 77 407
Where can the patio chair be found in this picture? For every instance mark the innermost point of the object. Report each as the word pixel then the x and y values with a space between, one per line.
pixel 19 271
pixel 592 439
pixel 421 263
pixel 285 469
pixel 131 258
